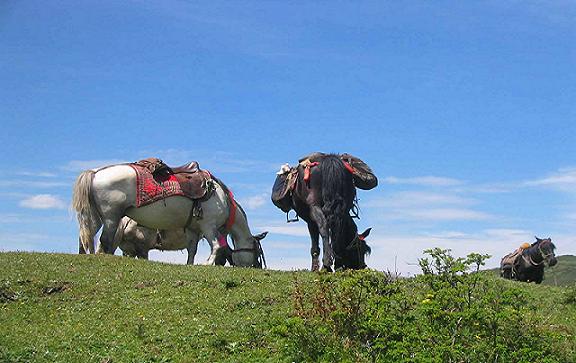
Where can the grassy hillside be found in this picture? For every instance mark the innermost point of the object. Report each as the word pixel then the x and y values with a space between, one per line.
pixel 71 308
pixel 66 308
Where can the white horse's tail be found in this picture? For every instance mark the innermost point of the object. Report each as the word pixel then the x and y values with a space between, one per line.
pixel 87 214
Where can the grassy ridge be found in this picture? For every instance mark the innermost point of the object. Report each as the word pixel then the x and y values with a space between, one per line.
pixel 66 308
pixel 71 308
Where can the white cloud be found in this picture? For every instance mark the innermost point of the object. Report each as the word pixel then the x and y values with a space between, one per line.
pixel 32 184
pixel 564 179
pixel 13 218
pixel 255 201
pixel 444 214
pixel 415 198
pixel 426 206
pixel 43 201
pixel 42 174
pixel 294 229
pixel 571 216
pixel 434 181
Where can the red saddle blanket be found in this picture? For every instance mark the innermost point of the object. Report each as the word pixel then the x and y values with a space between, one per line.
pixel 152 188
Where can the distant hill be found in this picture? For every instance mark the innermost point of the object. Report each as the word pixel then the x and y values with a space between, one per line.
pixel 563 274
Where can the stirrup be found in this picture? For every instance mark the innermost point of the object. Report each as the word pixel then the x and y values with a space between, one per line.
pixel 290 220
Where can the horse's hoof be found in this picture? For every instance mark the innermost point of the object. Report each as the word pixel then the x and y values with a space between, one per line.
pixel 315 266
pixel 327 269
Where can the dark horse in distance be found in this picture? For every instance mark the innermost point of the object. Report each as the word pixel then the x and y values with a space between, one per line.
pixel 527 264
pixel 322 192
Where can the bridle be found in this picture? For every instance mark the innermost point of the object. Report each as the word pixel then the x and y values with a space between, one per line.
pixel 356 244
pixel 258 252
pixel 544 256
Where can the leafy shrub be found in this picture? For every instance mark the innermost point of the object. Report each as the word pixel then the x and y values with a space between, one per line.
pixel 450 313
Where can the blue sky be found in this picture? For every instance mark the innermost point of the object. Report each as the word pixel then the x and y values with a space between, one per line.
pixel 465 110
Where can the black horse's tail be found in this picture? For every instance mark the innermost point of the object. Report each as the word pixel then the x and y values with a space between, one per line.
pixel 338 194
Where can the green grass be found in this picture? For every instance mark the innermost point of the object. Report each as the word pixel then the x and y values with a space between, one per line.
pixel 128 310
pixel 72 308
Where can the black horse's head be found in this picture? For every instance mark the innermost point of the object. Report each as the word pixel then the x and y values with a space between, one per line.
pixel 351 248
pixel 356 252
pixel 546 249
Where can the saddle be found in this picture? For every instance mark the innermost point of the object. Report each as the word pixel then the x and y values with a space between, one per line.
pixel 286 178
pixel 156 181
pixel 362 175
pixel 510 259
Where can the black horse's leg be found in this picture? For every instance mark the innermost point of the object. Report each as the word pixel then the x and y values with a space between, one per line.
pixel 192 245
pixel 539 275
pixel 143 254
pixel 327 256
pixel 315 248
pixel 81 249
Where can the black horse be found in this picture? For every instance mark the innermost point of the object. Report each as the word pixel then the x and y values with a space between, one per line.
pixel 528 265
pixel 323 197
pixel 350 252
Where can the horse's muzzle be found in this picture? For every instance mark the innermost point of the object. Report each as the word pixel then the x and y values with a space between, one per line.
pixel 552 261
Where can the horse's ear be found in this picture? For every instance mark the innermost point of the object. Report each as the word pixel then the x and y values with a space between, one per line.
pixel 365 233
pixel 261 236
pixel 537 239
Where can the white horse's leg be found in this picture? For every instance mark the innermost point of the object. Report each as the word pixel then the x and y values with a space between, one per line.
pixel 192 239
pixel 212 238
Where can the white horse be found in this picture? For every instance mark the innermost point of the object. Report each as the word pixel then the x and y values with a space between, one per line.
pixel 136 241
pixel 102 197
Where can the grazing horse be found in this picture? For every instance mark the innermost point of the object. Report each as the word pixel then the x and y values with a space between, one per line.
pixel 527 265
pixel 102 197
pixel 351 251
pixel 137 241
pixel 323 197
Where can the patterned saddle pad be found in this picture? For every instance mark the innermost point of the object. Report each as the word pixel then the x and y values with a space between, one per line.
pixel 152 188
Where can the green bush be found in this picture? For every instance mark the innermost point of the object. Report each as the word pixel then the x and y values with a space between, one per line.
pixel 450 313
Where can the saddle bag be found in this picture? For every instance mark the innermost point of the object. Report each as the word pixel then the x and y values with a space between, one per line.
pixel 363 176
pixel 510 259
pixel 281 196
